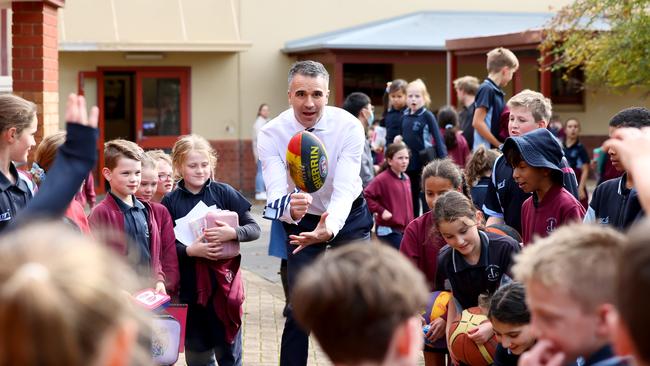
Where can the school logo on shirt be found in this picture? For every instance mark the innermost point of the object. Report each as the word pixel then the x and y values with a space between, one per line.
pixel 6 216
pixel 493 272
pixel 501 184
pixel 229 276
pixel 603 220
pixel 551 224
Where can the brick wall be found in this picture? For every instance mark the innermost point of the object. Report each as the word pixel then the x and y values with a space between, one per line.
pixel 236 164
pixel 35 59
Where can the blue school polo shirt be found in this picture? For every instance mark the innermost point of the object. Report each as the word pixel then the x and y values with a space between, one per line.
pixel 492 98
pixel 136 227
pixel 614 204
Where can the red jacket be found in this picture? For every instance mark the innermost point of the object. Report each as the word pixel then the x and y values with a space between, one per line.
pixel 76 214
pixel 108 216
pixel 388 192
pixel 168 257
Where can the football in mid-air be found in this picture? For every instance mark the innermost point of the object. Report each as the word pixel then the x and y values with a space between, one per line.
pixel 307 161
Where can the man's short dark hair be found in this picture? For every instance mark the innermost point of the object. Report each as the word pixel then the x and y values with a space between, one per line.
pixel 636 117
pixel 355 297
pixel 308 68
pixel 355 102
pixel 633 288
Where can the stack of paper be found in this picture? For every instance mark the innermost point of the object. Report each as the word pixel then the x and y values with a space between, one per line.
pixel 183 230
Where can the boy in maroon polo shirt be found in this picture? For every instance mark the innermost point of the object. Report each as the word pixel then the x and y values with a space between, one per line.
pixel 535 158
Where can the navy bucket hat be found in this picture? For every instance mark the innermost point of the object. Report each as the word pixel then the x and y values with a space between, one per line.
pixel 538 148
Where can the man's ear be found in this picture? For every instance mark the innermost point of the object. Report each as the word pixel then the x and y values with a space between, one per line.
pixel 407 339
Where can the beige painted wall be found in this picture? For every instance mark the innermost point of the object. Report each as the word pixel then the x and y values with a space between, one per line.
pixel 214 86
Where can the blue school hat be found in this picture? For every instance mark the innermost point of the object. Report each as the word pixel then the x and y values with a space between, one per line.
pixel 538 148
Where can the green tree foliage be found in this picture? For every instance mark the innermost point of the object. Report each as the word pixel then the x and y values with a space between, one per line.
pixel 610 39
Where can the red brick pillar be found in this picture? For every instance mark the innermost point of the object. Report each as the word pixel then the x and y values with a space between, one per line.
pixel 35 63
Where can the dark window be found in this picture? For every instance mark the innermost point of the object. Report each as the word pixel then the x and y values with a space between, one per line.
pixel 370 79
pixel 567 88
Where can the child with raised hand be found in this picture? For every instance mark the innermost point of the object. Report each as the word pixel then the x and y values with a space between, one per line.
pixel 578 158
pixel 510 320
pixel 395 109
pixel 478 172
pixel 43 160
pixel 18 125
pixel 420 133
pixel 389 196
pixel 211 287
pixel 455 142
pixel 145 193
pixel 165 174
pixel 535 158
pixel 475 261
pixel 570 280
pixel 422 241
pixel 131 222
pixel 63 301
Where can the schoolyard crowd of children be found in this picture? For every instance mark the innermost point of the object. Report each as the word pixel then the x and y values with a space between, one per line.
pixel 489 204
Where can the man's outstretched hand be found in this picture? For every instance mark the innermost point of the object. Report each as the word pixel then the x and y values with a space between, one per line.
pixel 321 234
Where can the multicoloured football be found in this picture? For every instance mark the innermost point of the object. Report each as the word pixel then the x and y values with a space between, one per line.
pixel 307 161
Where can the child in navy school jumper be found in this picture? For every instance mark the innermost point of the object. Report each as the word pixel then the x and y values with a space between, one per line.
pixel 211 287
pixel 395 109
pixel 18 125
pixel 475 262
pixel 529 111
pixel 420 133
pixel 535 158
pixel 615 202
pixel 457 148
pixel 578 159
pixel 135 232
pixel 489 102
pixel 422 241
pixel 478 172
pixel 389 196
pixel 146 192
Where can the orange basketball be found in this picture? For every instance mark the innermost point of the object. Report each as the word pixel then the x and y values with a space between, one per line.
pixel 307 161
pixel 462 347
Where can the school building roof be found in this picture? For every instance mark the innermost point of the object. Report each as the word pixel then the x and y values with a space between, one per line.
pixel 423 31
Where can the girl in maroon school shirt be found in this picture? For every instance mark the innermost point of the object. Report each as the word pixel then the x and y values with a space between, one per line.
pixel 422 241
pixel 388 196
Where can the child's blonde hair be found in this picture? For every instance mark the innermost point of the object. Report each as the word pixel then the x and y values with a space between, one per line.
pixel 46 151
pixel 158 155
pixel 499 58
pixel 148 162
pixel 538 105
pixel 15 112
pixel 468 84
pixel 577 259
pixel 184 145
pixel 419 84
pixel 61 294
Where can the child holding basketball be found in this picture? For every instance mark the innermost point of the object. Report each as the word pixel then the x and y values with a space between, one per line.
pixel 475 262
pixel 570 279
pixel 211 287
pixel 422 241
pixel 389 196
pixel 510 320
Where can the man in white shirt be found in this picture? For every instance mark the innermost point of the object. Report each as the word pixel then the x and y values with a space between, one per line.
pixel 334 215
